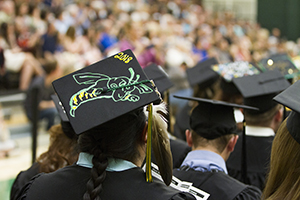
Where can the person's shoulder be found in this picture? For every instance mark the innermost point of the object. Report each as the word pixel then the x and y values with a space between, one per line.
pixel 246 191
pixel 167 192
pixel 218 184
pixel 43 184
pixel 250 192
pixel 135 178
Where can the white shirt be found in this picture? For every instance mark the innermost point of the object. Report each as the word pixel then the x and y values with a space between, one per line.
pixel 114 164
pixel 258 131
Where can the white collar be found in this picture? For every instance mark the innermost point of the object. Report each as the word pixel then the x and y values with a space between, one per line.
pixel 114 164
pixel 259 131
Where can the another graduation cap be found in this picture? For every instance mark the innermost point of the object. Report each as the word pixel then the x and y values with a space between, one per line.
pixel 282 62
pixel 291 99
pixel 259 90
pixel 202 74
pixel 230 71
pixel 212 119
pixel 159 76
pixel 104 90
pixel 162 82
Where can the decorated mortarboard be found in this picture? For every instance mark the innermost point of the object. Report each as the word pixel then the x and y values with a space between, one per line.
pixel 104 91
pixel 282 62
pixel 290 98
pixel 212 119
pixel 259 90
pixel 230 71
pixel 202 74
pixel 159 76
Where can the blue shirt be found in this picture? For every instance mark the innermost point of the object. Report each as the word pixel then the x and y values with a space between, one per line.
pixel 114 164
pixel 202 160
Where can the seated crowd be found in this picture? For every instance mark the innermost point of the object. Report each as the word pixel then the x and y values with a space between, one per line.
pixel 218 143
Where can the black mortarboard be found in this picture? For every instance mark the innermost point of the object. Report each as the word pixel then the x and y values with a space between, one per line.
pixel 259 90
pixel 104 91
pixel 230 71
pixel 291 99
pixel 202 74
pixel 212 119
pixel 282 62
pixel 159 76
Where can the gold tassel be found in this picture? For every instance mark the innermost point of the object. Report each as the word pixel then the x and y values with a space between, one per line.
pixel 149 143
pixel 161 142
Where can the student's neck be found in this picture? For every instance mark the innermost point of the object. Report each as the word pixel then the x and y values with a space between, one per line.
pixel 224 154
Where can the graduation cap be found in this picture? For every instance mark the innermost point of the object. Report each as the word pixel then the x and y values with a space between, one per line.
pixel 65 124
pixel 230 71
pixel 211 118
pixel 259 90
pixel 291 99
pixel 202 74
pixel 282 62
pixel 159 76
pixel 104 90
pixel 107 90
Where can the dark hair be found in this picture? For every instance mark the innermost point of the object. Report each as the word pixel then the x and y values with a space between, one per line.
pixel 118 138
pixel 71 33
pixel 219 143
pixel 50 66
pixel 263 119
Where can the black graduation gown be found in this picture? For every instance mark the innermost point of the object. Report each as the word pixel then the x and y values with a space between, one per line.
pixel 70 183
pixel 219 185
pixel 182 122
pixel 179 149
pixel 258 158
pixel 22 178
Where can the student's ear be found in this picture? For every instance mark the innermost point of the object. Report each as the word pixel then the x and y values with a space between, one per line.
pixel 279 115
pixel 232 142
pixel 188 136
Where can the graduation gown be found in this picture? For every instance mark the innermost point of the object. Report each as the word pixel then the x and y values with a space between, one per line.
pixel 182 122
pixel 22 178
pixel 258 157
pixel 70 183
pixel 179 149
pixel 218 184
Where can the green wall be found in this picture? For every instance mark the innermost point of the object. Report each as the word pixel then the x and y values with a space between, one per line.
pixel 283 14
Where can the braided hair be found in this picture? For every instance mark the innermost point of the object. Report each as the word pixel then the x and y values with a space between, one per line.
pixel 118 138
